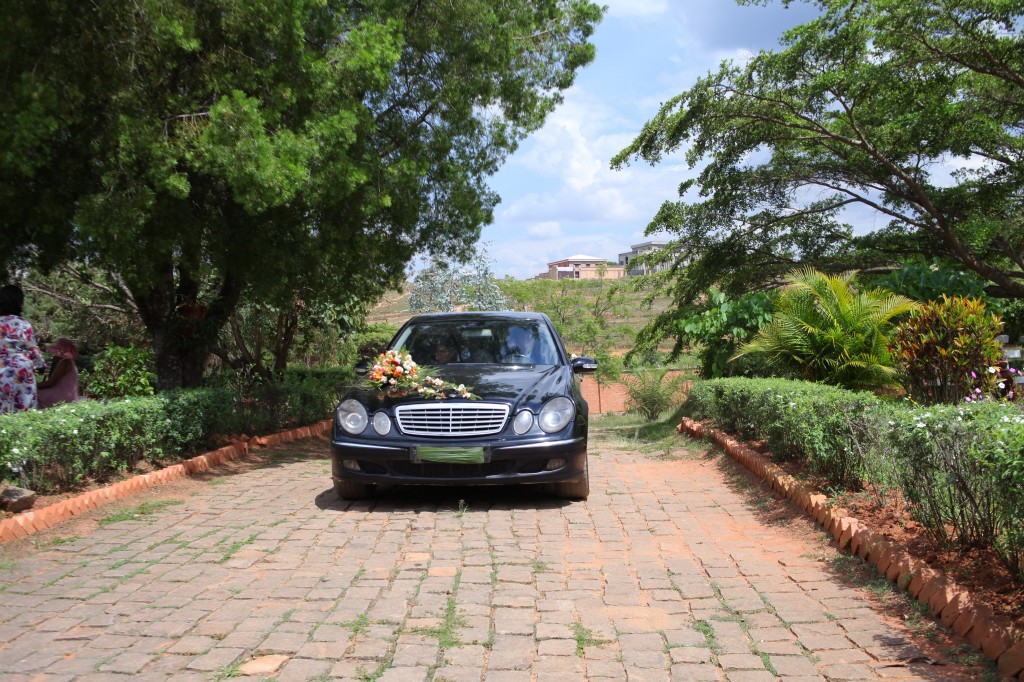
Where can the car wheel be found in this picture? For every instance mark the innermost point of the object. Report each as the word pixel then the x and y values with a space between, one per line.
pixel 575 490
pixel 353 490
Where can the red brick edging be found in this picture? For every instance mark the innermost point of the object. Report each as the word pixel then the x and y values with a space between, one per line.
pixel 29 522
pixel 994 635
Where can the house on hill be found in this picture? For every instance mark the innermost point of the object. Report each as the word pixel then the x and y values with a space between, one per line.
pixel 582 266
pixel 637 250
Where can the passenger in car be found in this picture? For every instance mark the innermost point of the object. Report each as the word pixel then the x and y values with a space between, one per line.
pixel 445 352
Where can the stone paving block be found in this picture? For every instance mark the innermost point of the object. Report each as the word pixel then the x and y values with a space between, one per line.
pixel 221 657
pixel 793 666
pixel 847 671
pixel 740 662
pixel 694 672
pixel 512 653
pixel 302 670
pixel 689 654
pixel 637 565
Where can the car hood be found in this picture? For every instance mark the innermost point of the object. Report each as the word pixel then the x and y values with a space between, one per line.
pixel 522 385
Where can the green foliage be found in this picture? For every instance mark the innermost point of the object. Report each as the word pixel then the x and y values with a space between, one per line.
pixel 724 324
pixel 931 281
pixel 944 350
pixel 799 420
pixel 373 340
pixel 824 329
pixel 856 111
pixel 119 372
pixel 648 392
pixel 64 447
pixel 81 303
pixel 442 287
pixel 290 154
pixel 582 310
pixel 960 469
pixel 1012 313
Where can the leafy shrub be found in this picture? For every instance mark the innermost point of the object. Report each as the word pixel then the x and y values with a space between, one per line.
pixel 374 340
pixel 649 394
pixel 962 468
pixel 959 468
pixel 945 348
pixel 798 420
pixel 118 372
pixel 930 281
pixel 1011 311
pixel 62 447
pixel 65 446
pixel 826 329
pixel 720 328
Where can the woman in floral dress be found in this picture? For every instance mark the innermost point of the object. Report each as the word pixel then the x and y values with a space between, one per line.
pixel 19 354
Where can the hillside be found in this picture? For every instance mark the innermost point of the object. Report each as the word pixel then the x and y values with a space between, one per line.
pixel 394 309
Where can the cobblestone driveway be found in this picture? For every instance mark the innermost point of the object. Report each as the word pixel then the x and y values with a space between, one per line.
pixel 668 572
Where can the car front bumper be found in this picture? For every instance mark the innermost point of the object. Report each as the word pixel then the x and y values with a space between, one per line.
pixel 544 461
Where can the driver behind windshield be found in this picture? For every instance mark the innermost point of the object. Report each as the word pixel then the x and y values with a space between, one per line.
pixel 522 346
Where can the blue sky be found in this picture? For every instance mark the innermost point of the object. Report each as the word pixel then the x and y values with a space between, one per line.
pixel 559 196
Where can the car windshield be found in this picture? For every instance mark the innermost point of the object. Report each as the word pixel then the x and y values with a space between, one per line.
pixel 508 342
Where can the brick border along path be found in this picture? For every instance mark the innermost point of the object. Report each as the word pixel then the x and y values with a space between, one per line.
pixel 666 573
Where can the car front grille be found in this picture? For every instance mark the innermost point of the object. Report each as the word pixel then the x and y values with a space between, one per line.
pixel 452 419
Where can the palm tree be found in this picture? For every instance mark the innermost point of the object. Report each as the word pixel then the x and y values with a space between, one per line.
pixel 825 329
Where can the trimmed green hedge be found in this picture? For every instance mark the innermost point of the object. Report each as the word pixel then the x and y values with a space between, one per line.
pixel 62 447
pixel 797 419
pixel 960 468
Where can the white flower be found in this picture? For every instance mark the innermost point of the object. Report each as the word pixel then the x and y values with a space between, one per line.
pixel 920 425
pixel 992 370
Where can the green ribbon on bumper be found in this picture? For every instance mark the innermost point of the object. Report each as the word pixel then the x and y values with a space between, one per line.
pixel 451 455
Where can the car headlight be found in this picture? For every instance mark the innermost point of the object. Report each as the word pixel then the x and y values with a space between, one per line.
pixel 381 423
pixel 523 422
pixel 556 414
pixel 352 416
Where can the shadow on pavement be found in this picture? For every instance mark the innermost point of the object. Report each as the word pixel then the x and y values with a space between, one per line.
pixel 459 499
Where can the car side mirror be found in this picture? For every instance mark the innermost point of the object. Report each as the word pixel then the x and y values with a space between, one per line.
pixel 584 365
pixel 362 367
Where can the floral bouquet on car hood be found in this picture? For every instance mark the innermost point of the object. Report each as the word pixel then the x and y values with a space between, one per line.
pixel 396 374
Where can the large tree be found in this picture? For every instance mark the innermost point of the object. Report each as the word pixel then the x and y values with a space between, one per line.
pixel 905 111
pixel 288 152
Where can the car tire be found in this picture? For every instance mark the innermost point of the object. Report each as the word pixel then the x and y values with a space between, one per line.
pixel 353 490
pixel 575 490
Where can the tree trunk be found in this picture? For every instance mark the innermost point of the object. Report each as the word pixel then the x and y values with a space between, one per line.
pixel 184 331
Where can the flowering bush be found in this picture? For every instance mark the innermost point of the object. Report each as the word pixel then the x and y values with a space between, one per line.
pixel 941 346
pixel 994 384
pixel 396 374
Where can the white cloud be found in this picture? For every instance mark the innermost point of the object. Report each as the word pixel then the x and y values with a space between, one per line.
pixel 548 229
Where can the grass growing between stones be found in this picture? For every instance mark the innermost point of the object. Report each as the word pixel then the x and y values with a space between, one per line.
pixel 227 672
pixel 358 625
pixel 704 628
pixel 375 674
pixel 584 637
pixel 445 632
pixel 135 513
pixel 230 551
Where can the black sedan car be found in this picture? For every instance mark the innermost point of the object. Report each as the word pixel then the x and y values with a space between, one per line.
pixel 510 411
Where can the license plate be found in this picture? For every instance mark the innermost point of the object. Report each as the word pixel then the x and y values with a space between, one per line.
pixel 449 455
